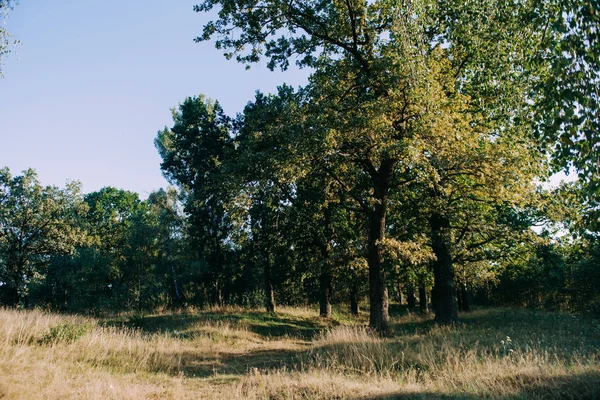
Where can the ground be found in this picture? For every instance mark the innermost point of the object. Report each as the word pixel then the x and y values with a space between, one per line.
pixel 293 354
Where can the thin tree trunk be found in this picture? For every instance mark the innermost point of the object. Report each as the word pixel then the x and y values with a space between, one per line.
pixel 205 297
pixel 326 292
pixel 269 292
pixel 219 294
pixel 178 294
pixel 400 293
pixel 325 281
pixel 443 271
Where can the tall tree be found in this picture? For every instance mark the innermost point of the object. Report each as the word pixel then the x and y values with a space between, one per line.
pixel 376 86
pixel 114 216
pixel 267 169
pixel 194 152
pixel 165 205
pixel 36 222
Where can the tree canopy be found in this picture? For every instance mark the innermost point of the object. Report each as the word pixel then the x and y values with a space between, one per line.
pixel 412 161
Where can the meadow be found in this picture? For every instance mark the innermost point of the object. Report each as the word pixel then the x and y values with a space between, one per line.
pixel 234 353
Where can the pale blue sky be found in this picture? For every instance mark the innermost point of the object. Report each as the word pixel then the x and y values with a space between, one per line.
pixel 93 81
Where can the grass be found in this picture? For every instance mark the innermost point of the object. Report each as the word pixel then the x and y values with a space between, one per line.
pixel 238 353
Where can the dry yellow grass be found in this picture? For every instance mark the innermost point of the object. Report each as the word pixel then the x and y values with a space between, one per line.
pixel 237 353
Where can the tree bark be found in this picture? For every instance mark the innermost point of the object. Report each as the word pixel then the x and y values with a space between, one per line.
pixel 443 271
pixel 269 291
pixel 399 291
pixel 326 292
pixel 378 293
pixel 219 294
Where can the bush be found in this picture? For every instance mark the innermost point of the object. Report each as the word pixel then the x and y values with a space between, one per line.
pixel 64 333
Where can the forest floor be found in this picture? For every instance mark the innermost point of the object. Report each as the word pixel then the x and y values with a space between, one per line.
pixel 236 353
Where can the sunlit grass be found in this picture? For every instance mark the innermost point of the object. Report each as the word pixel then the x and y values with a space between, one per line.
pixel 239 353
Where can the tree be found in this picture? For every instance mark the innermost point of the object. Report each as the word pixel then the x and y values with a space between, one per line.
pixel 109 216
pixel 77 282
pixel 122 230
pixel 165 205
pixel 266 174
pixel 194 152
pixel 382 76
pixel 567 110
pixel 36 223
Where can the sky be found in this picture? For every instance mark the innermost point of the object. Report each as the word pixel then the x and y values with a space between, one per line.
pixel 93 81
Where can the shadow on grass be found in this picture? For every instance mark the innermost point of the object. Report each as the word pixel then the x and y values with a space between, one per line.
pixel 266 325
pixel 237 364
pixel 585 386
pixel 419 396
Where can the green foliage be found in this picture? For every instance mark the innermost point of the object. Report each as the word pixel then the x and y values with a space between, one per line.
pixel 80 282
pixel 413 153
pixel 406 97
pixel 567 110
pixel 193 153
pixel 36 223
pixel 64 333
pixel 110 212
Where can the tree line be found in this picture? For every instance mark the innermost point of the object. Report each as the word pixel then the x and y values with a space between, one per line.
pixel 410 163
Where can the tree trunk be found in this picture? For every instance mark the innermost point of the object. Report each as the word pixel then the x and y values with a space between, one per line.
pixel 13 291
pixel 219 294
pixel 443 272
pixel 325 279
pixel 354 307
pixel 379 318
pixel 178 298
pixel 205 297
pixel 410 296
pixel 464 298
pixel 399 292
pixel 269 292
pixel 423 307
pixel 326 292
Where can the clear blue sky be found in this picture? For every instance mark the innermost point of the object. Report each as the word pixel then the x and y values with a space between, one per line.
pixel 93 81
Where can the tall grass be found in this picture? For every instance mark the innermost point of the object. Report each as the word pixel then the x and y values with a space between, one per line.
pixel 235 354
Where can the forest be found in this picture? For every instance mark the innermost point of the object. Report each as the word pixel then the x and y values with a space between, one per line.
pixel 412 171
